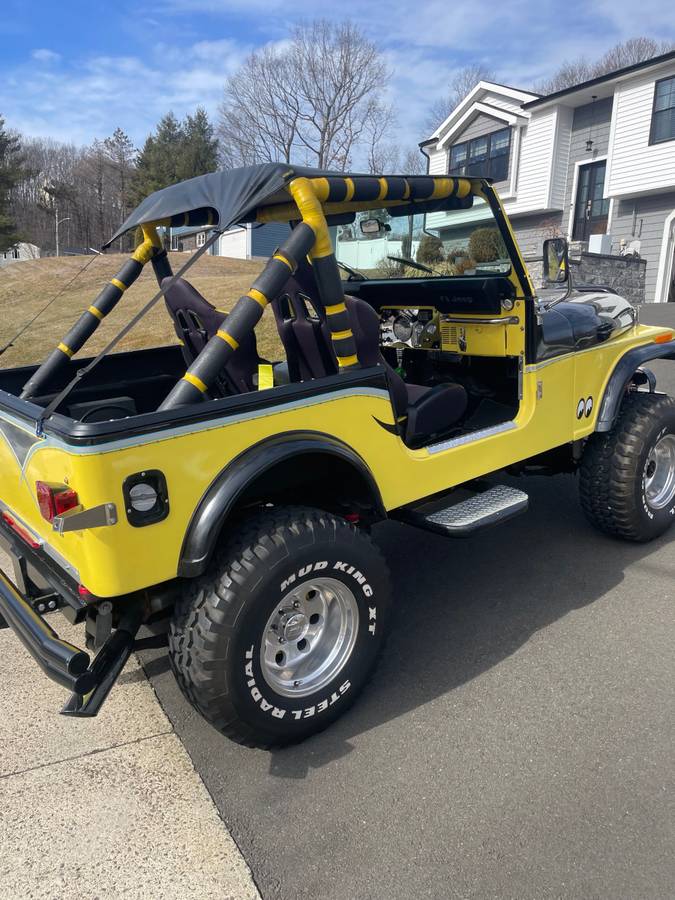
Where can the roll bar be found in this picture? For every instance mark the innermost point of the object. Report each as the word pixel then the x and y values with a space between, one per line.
pixel 150 249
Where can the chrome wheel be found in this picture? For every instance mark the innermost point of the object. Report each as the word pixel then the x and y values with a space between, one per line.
pixel 659 476
pixel 309 637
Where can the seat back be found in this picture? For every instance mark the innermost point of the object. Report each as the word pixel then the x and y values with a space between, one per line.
pixel 195 321
pixel 302 328
pixel 365 323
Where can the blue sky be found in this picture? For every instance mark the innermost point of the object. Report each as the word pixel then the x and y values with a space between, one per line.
pixel 75 71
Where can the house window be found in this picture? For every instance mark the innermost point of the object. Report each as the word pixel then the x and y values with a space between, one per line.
pixel 174 242
pixel 201 238
pixel 487 155
pixel 663 115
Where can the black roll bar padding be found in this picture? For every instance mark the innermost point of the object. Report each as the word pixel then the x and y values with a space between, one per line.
pixel 161 266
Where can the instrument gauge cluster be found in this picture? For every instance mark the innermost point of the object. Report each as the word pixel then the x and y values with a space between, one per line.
pixel 417 329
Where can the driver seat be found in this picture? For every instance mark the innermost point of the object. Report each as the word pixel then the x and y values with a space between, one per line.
pixel 424 412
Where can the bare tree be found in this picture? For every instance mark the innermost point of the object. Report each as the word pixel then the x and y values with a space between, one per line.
pixel 628 53
pixel 86 187
pixel 259 113
pixel 381 155
pixel 460 85
pixel 313 99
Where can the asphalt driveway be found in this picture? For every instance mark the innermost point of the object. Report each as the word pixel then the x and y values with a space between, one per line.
pixel 517 740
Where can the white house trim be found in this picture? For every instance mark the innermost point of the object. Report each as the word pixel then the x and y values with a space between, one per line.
pixel 494 112
pixel 484 86
pixel 665 272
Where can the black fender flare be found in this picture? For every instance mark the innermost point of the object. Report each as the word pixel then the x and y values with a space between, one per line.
pixel 621 377
pixel 229 485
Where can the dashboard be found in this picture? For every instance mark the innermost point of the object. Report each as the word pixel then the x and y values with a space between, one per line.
pixel 425 328
pixel 418 329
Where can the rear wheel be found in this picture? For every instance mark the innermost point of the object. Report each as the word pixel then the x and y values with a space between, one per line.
pixel 628 474
pixel 275 641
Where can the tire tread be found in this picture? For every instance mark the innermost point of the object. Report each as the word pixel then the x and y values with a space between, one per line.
pixel 610 465
pixel 211 604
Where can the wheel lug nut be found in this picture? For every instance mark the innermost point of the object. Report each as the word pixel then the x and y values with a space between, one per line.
pixel 297 683
pixel 282 640
pixel 296 605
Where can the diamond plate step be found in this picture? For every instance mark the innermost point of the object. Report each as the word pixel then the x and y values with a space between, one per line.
pixel 468 516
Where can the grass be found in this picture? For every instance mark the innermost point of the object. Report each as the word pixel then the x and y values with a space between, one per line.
pixel 27 286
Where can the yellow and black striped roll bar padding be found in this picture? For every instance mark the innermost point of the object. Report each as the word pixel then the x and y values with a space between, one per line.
pixel 338 195
pixel 245 315
pixel 89 321
pixel 307 196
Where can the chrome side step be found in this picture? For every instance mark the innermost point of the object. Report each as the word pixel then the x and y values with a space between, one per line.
pixel 497 504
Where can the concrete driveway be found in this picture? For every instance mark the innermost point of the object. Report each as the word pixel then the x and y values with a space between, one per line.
pixel 517 740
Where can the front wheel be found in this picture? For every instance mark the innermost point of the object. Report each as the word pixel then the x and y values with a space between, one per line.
pixel 276 640
pixel 628 474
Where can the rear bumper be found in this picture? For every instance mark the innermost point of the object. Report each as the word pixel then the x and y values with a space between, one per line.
pixel 61 661
pixel 58 659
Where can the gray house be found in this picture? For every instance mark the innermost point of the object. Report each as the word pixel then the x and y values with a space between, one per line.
pixel 595 163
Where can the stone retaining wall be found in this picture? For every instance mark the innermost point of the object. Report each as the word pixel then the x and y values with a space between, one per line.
pixel 626 274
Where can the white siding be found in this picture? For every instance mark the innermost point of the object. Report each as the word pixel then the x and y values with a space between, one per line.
pixel 508 103
pixel 634 166
pixel 233 244
pixel 438 162
pixel 536 159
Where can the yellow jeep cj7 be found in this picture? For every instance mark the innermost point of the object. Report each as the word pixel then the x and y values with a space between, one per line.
pixel 201 491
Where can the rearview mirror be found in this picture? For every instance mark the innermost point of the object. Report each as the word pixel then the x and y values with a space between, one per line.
pixel 556 261
pixel 371 226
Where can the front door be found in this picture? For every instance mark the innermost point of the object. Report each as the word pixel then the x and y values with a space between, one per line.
pixel 591 211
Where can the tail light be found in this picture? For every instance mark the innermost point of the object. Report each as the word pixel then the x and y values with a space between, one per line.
pixel 55 499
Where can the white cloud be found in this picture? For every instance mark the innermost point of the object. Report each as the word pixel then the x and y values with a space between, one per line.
pixel 94 95
pixel 45 56
pixel 424 43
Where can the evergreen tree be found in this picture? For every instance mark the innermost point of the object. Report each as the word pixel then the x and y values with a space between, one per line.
pixel 200 148
pixel 11 173
pixel 159 160
pixel 175 151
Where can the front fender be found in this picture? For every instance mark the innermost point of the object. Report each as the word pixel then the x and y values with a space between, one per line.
pixel 621 378
pixel 230 484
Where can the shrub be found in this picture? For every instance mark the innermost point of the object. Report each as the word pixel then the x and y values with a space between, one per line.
pixel 430 250
pixel 486 245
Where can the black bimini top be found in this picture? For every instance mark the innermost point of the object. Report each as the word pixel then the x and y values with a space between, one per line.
pixel 247 194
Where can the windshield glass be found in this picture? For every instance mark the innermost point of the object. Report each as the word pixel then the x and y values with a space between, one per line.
pixel 459 244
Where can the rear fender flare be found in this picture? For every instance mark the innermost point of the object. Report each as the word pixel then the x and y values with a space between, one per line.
pixel 621 377
pixel 241 473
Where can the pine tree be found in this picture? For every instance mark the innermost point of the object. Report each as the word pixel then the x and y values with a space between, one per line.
pixel 200 148
pixel 11 173
pixel 175 151
pixel 160 159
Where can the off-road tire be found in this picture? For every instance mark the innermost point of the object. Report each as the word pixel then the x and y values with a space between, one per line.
pixel 612 485
pixel 217 629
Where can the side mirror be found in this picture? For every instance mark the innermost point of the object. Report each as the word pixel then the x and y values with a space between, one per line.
pixel 556 261
pixel 372 226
